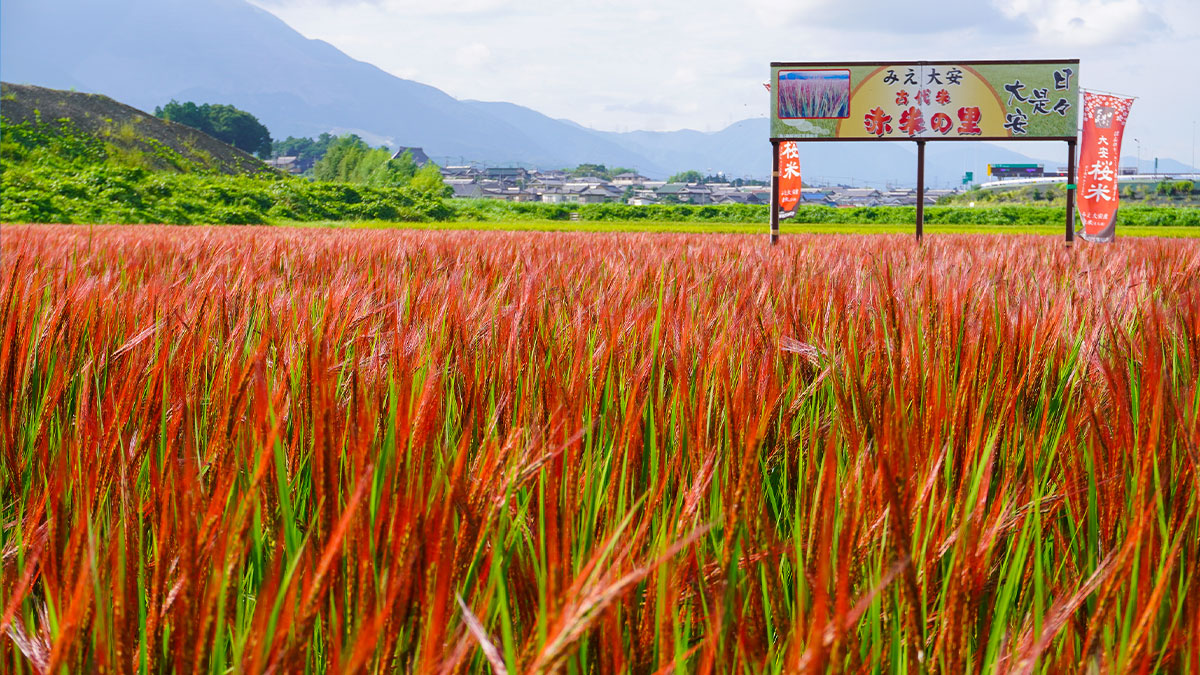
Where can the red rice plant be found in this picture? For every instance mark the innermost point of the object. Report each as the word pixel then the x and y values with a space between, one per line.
pixel 814 97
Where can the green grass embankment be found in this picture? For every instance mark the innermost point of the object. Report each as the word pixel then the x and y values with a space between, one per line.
pixel 487 210
pixel 786 228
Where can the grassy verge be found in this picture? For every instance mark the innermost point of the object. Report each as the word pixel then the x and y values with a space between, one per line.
pixel 490 210
pixel 741 228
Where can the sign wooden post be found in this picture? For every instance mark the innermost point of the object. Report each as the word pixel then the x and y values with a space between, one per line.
pixel 1070 192
pixel 920 190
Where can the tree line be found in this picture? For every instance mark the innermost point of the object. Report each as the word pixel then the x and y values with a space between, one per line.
pixel 223 122
pixel 348 159
pixel 341 159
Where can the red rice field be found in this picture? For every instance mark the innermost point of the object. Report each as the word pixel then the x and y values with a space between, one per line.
pixel 286 450
pixel 814 96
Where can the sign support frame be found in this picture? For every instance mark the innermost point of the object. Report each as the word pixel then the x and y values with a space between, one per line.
pixel 1069 232
pixel 1071 140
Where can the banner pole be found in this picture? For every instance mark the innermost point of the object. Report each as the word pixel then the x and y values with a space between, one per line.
pixel 1070 192
pixel 920 190
pixel 774 192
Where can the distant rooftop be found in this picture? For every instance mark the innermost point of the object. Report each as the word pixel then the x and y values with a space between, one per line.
pixel 418 155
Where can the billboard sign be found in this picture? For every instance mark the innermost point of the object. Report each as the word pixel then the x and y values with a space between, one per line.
pixel 925 100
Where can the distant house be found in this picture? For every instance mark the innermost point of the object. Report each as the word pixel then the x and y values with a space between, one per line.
pixel 763 193
pixel 816 199
pixel 857 197
pixel 509 194
pixel 288 163
pixel 739 198
pixel 577 193
pixel 418 155
pixel 629 179
pixel 556 195
pixel 643 198
pixel 541 182
pixel 595 194
pixel 688 193
pixel 459 172
pixel 506 174
pixel 858 193
pixel 466 190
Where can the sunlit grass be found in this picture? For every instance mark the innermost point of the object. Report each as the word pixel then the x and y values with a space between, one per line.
pixel 787 227
pixel 318 449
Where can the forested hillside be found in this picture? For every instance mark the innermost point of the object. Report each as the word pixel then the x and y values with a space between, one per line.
pixel 80 158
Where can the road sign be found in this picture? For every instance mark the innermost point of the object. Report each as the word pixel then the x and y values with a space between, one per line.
pixel 1016 170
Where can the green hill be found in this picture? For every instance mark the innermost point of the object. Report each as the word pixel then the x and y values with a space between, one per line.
pixel 116 133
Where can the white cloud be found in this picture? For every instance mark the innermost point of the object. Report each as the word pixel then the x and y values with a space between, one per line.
pixel 475 54
pixel 881 15
pixel 1086 23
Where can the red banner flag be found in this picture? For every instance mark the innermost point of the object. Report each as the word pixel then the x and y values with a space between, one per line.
pixel 1099 164
pixel 789 175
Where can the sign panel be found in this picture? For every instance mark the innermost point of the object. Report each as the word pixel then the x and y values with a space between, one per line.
pixel 1099 163
pixel 980 100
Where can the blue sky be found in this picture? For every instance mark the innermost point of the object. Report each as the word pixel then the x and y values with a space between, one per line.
pixel 700 64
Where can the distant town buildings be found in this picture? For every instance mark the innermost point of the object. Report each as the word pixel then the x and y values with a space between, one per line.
pixel 558 187
pixel 517 184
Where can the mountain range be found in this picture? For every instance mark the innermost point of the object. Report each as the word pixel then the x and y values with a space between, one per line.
pixel 147 52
